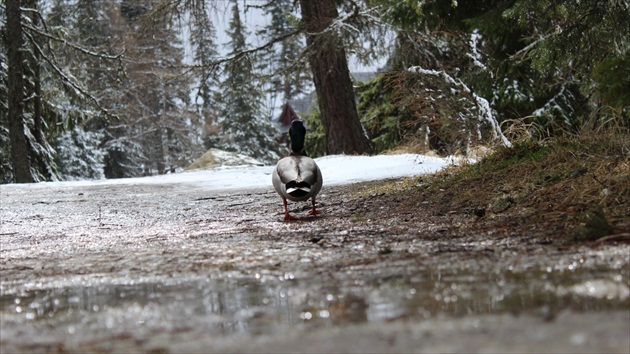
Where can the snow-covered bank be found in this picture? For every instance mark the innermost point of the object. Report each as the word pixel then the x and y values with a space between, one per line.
pixel 342 169
pixel 336 169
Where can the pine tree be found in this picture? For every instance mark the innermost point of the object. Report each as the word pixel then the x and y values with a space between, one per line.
pixel 335 93
pixel 282 61
pixel 203 36
pixel 6 174
pixel 30 117
pixel 537 62
pixel 244 128
pixel 55 82
pixel 205 52
pixel 570 44
pixel 79 155
pixel 80 149
pixel 21 165
pixel 156 94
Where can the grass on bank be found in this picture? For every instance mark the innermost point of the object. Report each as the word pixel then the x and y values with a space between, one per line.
pixel 578 185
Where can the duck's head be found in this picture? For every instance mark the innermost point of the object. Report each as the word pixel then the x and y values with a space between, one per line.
pixel 297 132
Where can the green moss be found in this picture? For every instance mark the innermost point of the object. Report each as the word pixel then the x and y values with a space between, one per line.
pixel 594 225
pixel 503 204
pixel 358 218
pixel 522 151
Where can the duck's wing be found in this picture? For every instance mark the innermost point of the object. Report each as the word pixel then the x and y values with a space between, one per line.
pixel 311 174
pixel 286 171
pixel 318 184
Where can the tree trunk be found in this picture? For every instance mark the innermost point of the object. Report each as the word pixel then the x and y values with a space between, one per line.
pixel 335 94
pixel 15 77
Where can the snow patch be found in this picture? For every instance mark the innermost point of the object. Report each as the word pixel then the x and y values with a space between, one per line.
pixel 217 158
pixel 336 170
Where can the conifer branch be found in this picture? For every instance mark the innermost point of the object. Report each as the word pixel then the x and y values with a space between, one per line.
pixel 241 54
pixel 482 104
pixel 75 46
pixel 71 82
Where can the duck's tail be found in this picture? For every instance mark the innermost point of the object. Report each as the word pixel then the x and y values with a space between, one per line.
pixel 298 189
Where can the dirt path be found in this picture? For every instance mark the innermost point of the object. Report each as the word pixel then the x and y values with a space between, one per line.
pixel 163 268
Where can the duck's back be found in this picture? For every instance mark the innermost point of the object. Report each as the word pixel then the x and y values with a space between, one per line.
pixel 297 169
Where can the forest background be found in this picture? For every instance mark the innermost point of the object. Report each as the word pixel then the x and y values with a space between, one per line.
pixel 116 88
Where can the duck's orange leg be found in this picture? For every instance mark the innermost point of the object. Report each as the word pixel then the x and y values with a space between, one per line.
pixel 314 211
pixel 287 216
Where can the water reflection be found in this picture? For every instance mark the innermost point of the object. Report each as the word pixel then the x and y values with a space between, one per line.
pixel 257 306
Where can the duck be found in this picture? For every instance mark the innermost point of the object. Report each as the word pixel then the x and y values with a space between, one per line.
pixel 297 177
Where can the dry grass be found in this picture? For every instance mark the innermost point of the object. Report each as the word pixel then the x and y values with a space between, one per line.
pixel 570 189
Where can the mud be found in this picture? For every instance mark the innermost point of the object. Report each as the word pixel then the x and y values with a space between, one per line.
pixel 171 268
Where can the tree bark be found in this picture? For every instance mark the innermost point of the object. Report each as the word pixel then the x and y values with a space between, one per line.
pixel 15 77
pixel 335 94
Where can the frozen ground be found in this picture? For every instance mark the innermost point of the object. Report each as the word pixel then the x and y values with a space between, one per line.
pixel 202 262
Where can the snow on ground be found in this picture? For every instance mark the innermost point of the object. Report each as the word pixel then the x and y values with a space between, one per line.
pixel 336 169
pixel 343 169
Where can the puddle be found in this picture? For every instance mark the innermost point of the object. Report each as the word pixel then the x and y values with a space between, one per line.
pixel 269 305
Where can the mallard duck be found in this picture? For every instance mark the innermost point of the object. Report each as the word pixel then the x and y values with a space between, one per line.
pixel 297 177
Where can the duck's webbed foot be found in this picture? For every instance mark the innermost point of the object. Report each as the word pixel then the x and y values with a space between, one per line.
pixel 287 216
pixel 314 211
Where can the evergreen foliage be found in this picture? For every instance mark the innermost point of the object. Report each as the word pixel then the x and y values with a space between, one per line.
pixel 203 36
pixel 244 128
pixel 282 62
pixel 315 144
pixel 30 114
pixel 6 173
pixel 78 155
pixel 385 121
pixel 546 68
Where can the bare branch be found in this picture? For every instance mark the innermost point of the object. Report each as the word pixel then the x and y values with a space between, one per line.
pixel 71 82
pixel 263 6
pixel 244 53
pixel 75 46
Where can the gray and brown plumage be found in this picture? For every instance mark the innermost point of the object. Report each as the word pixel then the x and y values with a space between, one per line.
pixel 297 177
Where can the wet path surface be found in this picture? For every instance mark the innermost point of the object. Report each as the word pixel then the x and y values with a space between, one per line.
pixel 169 268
